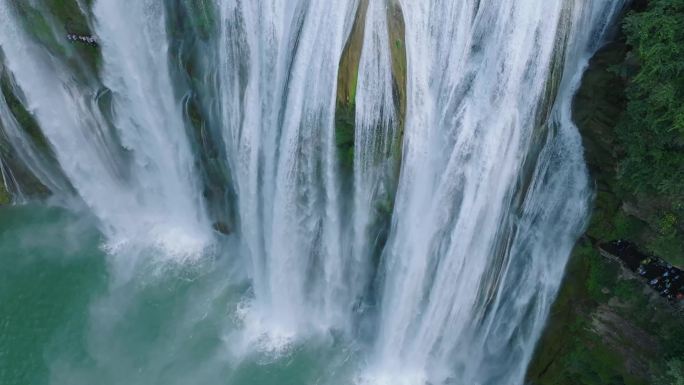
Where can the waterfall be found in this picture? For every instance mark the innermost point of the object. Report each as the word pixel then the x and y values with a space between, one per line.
pixel 29 155
pixel 278 129
pixel 134 171
pixel 478 247
pixel 438 250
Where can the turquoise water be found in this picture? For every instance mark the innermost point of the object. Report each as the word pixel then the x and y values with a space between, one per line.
pixel 50 271
pixel 69 316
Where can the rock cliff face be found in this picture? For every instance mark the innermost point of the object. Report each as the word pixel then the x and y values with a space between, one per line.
pixel 606 327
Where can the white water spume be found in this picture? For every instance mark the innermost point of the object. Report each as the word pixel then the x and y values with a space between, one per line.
pixel 492 192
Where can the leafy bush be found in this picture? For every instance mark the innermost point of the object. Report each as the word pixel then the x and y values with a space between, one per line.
pixel 601 275
pixel 652 131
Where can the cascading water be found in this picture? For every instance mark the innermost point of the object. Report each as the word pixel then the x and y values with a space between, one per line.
pixel 138 177
pixel 468 257
pixel 279 132
pixel 374 141
pixel 445 237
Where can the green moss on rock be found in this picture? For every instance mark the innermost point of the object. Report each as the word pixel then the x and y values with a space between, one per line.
pixel 348 78
pixel 49 21
pixel 24 118
pixel 348 72
pixel 5 197
pixel 604 328
pixel 344 135
pixel 397 31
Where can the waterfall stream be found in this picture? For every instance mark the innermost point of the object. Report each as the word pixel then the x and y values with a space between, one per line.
pixel 431 255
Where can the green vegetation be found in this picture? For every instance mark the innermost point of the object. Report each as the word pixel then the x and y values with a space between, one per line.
pixel 607 329
pixel 344 135
pixel 49 21
pixel 5 197
pixel 348 77
pixel 202 15
pixel 30 185
pixel 674 374
pixel 397 30
pixel 23 117
pixel 69 12
pixel 630 119
pixel 651 132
